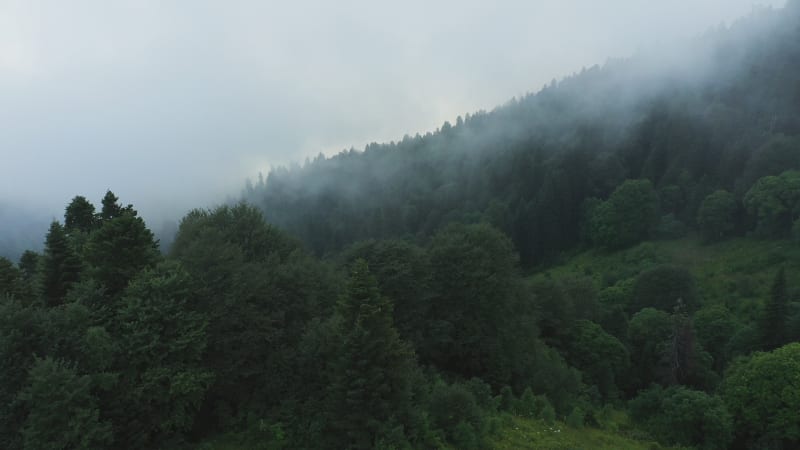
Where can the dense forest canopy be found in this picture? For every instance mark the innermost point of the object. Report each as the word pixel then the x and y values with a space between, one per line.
pixel 621 244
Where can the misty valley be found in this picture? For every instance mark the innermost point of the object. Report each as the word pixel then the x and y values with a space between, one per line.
pixel 611 262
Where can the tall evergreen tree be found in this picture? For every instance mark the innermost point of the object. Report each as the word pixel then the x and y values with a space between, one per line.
pixel 119 250
pixel 773 320
pixel 372 382
pixel 111 208
pixel 79 215
pixel 61 267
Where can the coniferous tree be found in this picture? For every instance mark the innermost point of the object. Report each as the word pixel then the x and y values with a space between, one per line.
pixel 120 249
pixel 773 320
pixel 372 381
pixel 111 209
pixel 79 215
pixel 61 267
pixel 29 264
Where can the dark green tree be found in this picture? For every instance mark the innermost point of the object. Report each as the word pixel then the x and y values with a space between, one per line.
pixel 774 201
pixel 111 209
pixel 61 267
pixel 119 250
pixel 680 416
pixel 29 264
pixel 161 382
pixel 601 358
pixel 62 411
pixel 775 314
pixel 11 282
pixel 79 216
pixel 372 374
pixel 626 217
pixel 716 216
pixel 761 392
pixel 479 321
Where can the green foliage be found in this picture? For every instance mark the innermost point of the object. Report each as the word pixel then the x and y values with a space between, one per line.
pixel 649 331
pixel 161 344
pixel 120 249
pixel 626 217
pixel 762 392
pixel 478 324
pixel 403 272
pixel 775 203
pixel 61 267
pixel 11 282
pixel 575 418
pixel 454 410
pixel 715 325
pixel 602 358
pixel 715 218
pixel 371 382
pixel 772 325
pixel 681 416
pixel 29 264
pixel 79 216
pixel 662 287
pixel 62 411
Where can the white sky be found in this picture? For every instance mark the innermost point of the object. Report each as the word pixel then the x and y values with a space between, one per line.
pixel 172 104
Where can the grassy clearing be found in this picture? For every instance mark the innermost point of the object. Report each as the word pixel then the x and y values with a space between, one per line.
pixel 736 273
pixel 519 434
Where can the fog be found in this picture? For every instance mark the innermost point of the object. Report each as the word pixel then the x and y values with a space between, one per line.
pixel 172 105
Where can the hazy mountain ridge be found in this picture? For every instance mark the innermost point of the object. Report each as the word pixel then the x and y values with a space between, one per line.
pixel 527 166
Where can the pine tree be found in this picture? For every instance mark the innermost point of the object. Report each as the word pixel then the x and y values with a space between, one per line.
pixel 371 385
pixel 111 209
pixel 773 320
pixel 119 250
pixel 61 267
pixel 79 215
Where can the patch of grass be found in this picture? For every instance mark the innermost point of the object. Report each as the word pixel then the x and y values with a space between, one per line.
pixel 736 272
pixel 521 433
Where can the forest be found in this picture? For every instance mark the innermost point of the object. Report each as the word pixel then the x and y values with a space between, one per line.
pixel 618 253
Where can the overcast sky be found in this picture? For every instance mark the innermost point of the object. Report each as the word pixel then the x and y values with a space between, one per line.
pixel 172 104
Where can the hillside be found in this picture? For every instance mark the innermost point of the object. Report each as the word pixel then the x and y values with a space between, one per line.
pixel 611 262
pixel 719 115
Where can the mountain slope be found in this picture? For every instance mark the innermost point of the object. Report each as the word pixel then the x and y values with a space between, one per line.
pixel 694 121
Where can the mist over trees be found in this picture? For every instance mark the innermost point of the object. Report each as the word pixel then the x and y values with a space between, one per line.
pixel 515 265
pixel 716 118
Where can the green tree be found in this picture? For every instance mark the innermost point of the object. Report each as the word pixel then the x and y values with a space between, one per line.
pixel 119 250
pixel 161 381
pixel 79 216
pixel 259 290
pixel 480 319
pixel 372 373
pixel 715 325
pixel 601 358
pixel 29 264
pixel 626 217
pixel 11 282
pixel 774 316
pixel 111 208
pixel 775 203
pixel 680 416
pixel 403 272
pixel 715 218
pixel 649 333
pixel 61 267
pixel 62 411
pixel 762 392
